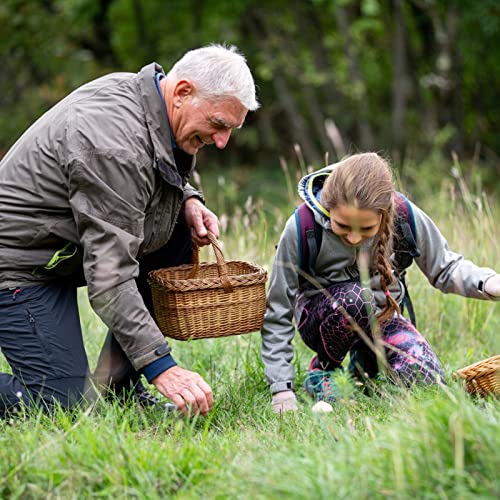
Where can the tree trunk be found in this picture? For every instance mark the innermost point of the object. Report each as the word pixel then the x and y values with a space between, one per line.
pixel 400 79
pixel 256 25
pixel 445 81
pixel 361 102
pixel 144 40
pixel 325 96
pixel 99 42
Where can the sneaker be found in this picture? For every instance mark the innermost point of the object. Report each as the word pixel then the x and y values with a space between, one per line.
pixel 144 399
pixel 318 383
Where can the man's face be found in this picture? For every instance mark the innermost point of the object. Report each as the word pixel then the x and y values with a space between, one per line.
pixel 197 122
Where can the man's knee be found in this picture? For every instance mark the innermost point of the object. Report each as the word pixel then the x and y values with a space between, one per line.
pixel 47 395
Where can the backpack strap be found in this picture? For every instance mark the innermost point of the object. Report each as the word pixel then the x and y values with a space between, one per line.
pixel 405 247
pixel 405 234
pixel 310 235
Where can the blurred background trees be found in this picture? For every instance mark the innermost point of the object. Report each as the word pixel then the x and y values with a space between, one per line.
pixel 409 78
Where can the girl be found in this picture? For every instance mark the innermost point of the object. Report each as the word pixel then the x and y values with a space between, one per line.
pixel 353 202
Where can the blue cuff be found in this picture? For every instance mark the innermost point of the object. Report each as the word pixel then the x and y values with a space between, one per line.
pixel 159 366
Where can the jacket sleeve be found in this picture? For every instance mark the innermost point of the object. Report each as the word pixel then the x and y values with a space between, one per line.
pixel 108 199
pixel 446 270
pixel 190 191
pixel 278 329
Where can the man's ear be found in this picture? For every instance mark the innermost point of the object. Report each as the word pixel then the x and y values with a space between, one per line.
pixel 183 89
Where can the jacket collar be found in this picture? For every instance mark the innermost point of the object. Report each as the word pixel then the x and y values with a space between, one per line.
pixel 159 130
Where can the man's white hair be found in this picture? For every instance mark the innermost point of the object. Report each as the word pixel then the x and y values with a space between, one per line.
pixel 217 71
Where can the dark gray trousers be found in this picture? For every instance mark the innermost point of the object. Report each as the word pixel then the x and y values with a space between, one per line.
pixel 41 338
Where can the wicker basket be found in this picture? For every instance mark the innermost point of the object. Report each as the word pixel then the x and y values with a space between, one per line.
pixel 196 301
pixel 482 378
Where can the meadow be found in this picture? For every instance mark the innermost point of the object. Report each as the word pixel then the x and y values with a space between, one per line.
pixel 392 443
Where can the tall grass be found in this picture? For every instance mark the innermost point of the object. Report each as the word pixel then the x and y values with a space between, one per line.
pixel 394 443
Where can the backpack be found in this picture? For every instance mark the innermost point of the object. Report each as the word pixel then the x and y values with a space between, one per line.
pixel 310 235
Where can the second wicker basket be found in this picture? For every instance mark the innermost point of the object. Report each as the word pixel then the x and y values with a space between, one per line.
pixel 482 378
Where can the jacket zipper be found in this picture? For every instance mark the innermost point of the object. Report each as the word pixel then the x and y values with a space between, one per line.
pixel 351 274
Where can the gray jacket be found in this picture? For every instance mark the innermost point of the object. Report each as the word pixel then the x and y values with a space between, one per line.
pixel 95 176
pixel 446 270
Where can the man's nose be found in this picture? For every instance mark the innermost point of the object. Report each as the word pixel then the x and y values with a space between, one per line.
pixel 221 138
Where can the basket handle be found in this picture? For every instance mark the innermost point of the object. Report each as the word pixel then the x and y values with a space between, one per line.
pixel 221 264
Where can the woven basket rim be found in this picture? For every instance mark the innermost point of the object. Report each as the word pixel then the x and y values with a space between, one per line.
pixel 159 278
pixel 480 368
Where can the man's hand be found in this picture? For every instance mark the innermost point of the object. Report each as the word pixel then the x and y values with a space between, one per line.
pixel 284 401
pixel 190 393
pixel 200 219
pixel 492 286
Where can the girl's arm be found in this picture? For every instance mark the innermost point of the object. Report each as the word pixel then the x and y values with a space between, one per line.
pixel 278 329
pixel 445 269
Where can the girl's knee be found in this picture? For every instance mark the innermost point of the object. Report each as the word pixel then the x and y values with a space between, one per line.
pixel 416 367
pixel 410 357
pixel 355 300
pixel 421 376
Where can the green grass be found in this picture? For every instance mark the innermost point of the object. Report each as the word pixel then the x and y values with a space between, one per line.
pixel 420 443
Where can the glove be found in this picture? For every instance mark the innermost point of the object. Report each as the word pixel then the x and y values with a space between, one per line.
pixel 492 285
pixel 284 401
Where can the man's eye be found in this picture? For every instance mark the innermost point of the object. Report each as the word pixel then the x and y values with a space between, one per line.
pixel 218 125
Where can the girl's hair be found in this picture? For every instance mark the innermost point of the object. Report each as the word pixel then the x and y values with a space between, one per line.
pixel 218 72
pixel 365 181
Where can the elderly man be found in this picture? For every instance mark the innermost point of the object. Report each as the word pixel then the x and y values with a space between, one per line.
pixel 96 192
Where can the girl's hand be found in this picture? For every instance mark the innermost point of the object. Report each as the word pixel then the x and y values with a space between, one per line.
pixel 284 401
pixel 492 285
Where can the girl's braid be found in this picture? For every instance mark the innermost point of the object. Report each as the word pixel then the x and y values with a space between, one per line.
pixel 382 263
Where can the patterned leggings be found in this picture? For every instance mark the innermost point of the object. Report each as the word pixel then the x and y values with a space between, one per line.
pixel 325 329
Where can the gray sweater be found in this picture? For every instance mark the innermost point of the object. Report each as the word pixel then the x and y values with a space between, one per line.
pixel 446 270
